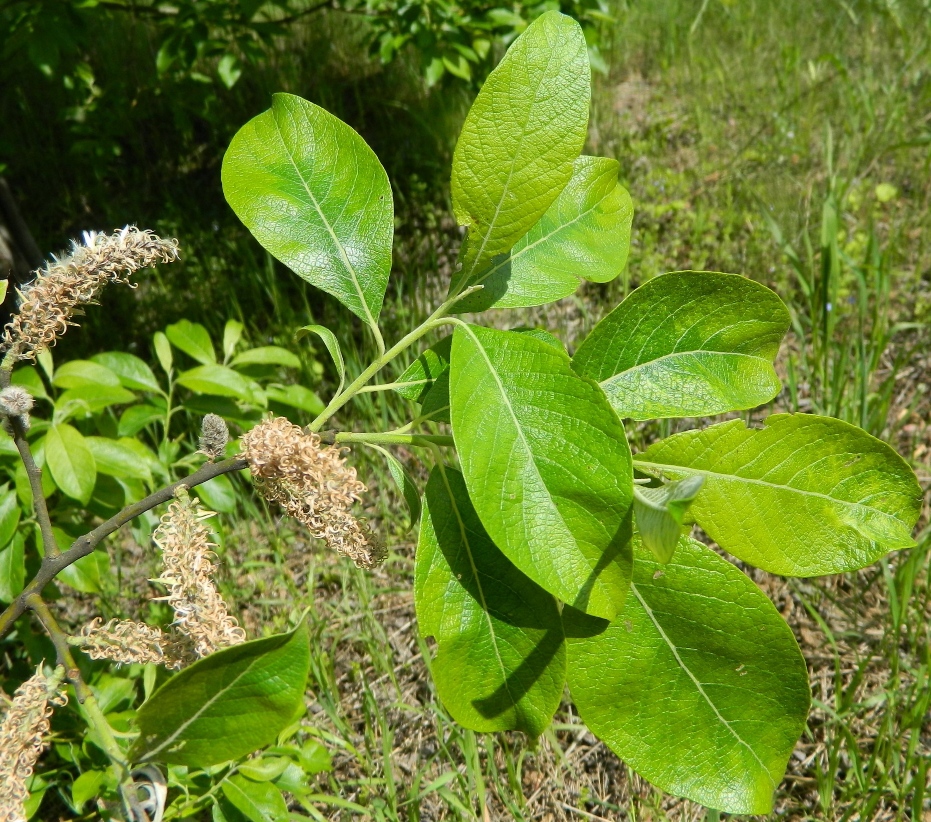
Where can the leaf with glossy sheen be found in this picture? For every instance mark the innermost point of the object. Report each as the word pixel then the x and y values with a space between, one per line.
pixel 584 235
pixel 132 372
pixel 660 513
pixel 226 705
pixel 258 801
pixel 520 138
pixel 501 660
pixel 315 195
pixel 70 461
pixel 803 496
pixel 687 344
pixel 193 339
pixel 547 465
pixel 698 685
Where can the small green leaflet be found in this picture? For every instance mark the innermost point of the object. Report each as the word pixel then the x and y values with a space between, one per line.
pixel 803 496
pixel 519 140
pixel 698 685
pixel 418 378
pixel 584 235
pixel 332 345
pixel 226 705
pixel 315 195
pixel 687 344
pixel 405 483
pixel 547 464
pixel 501 661
pixel 660 513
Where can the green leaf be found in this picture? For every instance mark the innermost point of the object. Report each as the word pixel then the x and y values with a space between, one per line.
pixel 547 465
pixel 132 372
pixel 698 685
pixel 28 377
pixel 520 139
pixel 137 417
pixel 70 462
pixel 584 235
pixel 295 396
pixel 227 705
pixel 232 333
pixel 405 483
pixel 267 355
pixel 9 513
pixel 218 380
pixel 332 345
pixel 687 344
pixel 419 376
pixel 436 403
pixel 12 569
pixel 114 458
pixel 265 768
pixel 81 373
pixel 87 786
pixel 89 399
pixel 501 659
pixel 163 351
pixel 314 195
pixel 218 494
pixel 258 801
pixel 86 574
pixel 803 496
pixel 193 339
pixel 660 513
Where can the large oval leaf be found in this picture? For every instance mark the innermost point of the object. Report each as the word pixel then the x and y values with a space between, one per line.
pixel 227 705
pixel 698 685
pixel 584 235
pixel 70 461
pixel 803 496
pixel 687 344
pixel 520 138
pixel 501 661
pixel 314 194
pixel 546 463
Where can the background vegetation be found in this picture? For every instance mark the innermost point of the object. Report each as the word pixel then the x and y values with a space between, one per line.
pixel 789 141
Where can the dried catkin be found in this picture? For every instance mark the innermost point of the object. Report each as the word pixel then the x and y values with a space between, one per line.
pixel 313 484
pixel 213 436
pixel 22 738
pixel 125 642
pixel 187 554
pixel 47 305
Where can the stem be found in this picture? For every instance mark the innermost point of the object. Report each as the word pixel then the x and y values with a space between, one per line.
pixel 436 319
pixel 82 546
pixel 18 427
pixel 421 440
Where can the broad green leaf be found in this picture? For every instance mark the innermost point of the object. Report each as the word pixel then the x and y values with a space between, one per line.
pixel 546 463
pixel 520 139
pixel 86 574
pixel 687 344
pixel 137 417
pixel 89 399
pixel 219 380
pixel 193 339
pixel 698 685
pixel 9 513
pixel 218 494
pixel 116 459
pixel 258 801
pixel 267 355
pixel 226 705
pixel 544 336
pixel 133 373
pixel 28 377
pixel 332 345
pixel 315 195
pixel 436 402
pixel 405 483
pixel 501 659
pixel 70 461
pixel 418 378
pixel 264 769
pixel 232 333
pixel 295 396
pixel 12 568
pixel 660 513
pixel 81 373
pixel 87 786
pixel 163 351
pixel 803 496
pixel 584 235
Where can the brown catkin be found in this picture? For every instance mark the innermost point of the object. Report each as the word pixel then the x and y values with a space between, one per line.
pixel 313 484
pixel 47 305
pixel 187 554
pixel 213 436
pixel 124 641
pixel 22 738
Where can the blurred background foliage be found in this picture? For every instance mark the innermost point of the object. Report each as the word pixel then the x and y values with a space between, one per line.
pixel 786 140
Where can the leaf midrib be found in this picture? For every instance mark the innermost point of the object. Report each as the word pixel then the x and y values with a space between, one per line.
pixel 675 652
pixel 342 251
pixel 615 378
